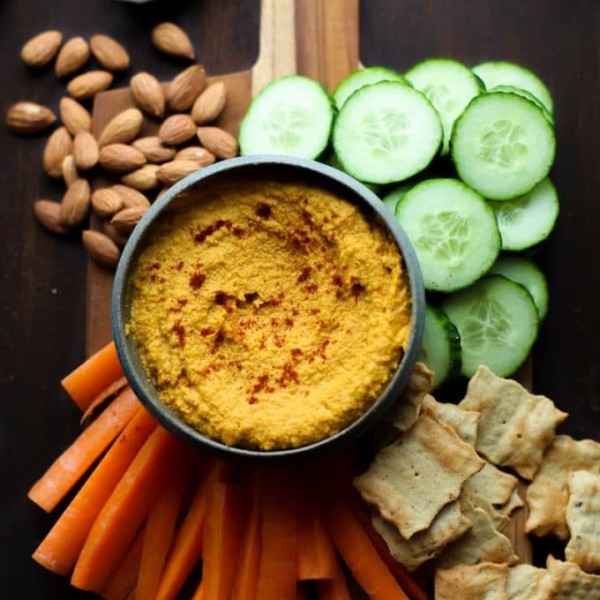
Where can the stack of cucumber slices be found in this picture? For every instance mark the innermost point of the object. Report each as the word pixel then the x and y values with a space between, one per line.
pixel 461 156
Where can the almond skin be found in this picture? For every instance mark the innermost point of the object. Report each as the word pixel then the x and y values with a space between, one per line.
pixel 109 53
pixel 89 84
pixel 85 151
pixel 120 158
pixel 173 171
pixel 176 130
pixel 57 148
pixel 101 249
pixel 74 116
pixel 131 197
pixel 197 153
pixel 48 214
pixel 148 94
pixel 218 141
pixel 185 88
pixel 143 179
pixel 106 202
pixel 210 103
pixel 41 49
pixel 171 39
pixel 69 171
pixel 127 218
pixel 29 118
pixel 122 128
pixel 72 57
pixel 108 229
pixel 154 151
pixel 75 204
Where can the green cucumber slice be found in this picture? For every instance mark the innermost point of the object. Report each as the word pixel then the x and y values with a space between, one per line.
pixel 511 89
pixel 498 323
pixel 502 145
pixel 291 115
pixel 453 231
pixel 386 132
pixel 361 77
pixel 393 196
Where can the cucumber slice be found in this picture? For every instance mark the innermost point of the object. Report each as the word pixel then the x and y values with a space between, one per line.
pixel 386 132
pixel 440 349
pixel 524 271
pixel 529 219
pixel 393 196
pixel 292 115
pixel 498 323
pixel 494 73
pixel 511 89
pixel 332 160
pixel 449 85
pixel 361 77
pixel 453 231
pixel 502 145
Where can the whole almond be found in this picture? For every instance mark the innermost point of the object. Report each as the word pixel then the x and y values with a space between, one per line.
pixel 197 153
pixel 171 39
pixel 72 56
pixel 106 201
pixel 143 179
pixel 109 53
pixel 177 129
pixel 42 48
pixel 210 103
pixel 75 204
pixel 29 117
pixel 89 84
pixel 57 147
pixel 74 116
pixel 122 128
pixel 48 214
pixel 154 151
pixel 170 172
pixel 185 88
pixel 218 141
pixel 101 249
pixel 69 171
pixel 148 94
pixel 85 151
pixel 120 239
pixel 120 158
pixel 131 197
pixel 127 218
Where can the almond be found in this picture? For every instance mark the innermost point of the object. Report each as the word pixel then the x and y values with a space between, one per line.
pixel 69 170
pixel 42 48
pixel 177 129
pixel 29 117
pixel 197 153
pixel 210 103
pixel 74 116
pixel 185 88
pixel 85 151
pixel 218 141
pixel 120 239
pixel 120 158
pixel 131 197
pixel 109 53
pixel 143 179
pixel 75 204
pixel 127 218
pixel 72 56
pixel 173 171
pixel 148 94
pixel 106 202
pixel 48 214
pixel 89 84
pixel 101 249
pixel 57 147
pixel 122 128
pixel 171 39
pixel 151 147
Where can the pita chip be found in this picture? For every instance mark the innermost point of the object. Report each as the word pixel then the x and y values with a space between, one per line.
pixel 566 581
pixel 484 581
pixel 491 483
pixel 464 422
pixel 526 582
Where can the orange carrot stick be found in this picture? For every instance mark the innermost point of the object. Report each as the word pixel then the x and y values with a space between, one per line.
pixel 88 380
pixel 125 510
pixel 122 582
pixel 335 588
pixel 60 549
pixel 71 465
pixel 223 534
pixel 199 593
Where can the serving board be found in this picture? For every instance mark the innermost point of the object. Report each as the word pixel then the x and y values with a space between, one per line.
pixel 315 38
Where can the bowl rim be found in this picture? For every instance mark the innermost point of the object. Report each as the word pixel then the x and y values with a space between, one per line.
pixel 328 177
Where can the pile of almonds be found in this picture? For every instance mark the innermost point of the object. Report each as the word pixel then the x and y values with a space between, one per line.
pixel 116 174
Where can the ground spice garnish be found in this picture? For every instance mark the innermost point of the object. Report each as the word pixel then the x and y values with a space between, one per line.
pixel 179 330
pixel 263 210
pixel 197 280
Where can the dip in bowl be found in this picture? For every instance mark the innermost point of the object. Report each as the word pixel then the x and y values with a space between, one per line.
pixel 268 306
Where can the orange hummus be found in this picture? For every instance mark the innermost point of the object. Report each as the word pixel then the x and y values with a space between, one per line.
pixel 269 315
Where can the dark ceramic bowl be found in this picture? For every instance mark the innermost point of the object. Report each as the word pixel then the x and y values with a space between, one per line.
pixel 267 166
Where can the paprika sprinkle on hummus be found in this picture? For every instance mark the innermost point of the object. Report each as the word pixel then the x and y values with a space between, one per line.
pixel 269 315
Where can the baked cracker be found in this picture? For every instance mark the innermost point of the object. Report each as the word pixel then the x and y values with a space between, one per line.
pixel 548 493
pixel 516 426
pixel 464 422
pixel 515 501
pixel 484 581
pixel 491 483
pixel 412 479
pixel 526 582
pixel 566 581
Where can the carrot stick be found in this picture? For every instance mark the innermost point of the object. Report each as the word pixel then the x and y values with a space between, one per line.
pixel 199 593
pixel 85 382
pixel 122 582
pixel 125 510
pixel 223 534
pixel 60 548
pixel 278 569
pixel 335 588
pixel 102 400
pixel 71 465
pixel 187 545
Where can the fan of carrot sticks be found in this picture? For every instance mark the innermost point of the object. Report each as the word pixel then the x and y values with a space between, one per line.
pixel 147 517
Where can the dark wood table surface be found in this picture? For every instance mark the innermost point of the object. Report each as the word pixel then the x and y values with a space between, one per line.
pixel 43 278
